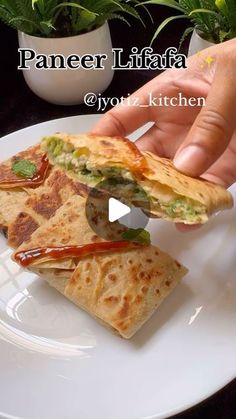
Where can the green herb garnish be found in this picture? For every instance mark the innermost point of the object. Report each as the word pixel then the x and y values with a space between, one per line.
pixel 137 235
pixel 24 168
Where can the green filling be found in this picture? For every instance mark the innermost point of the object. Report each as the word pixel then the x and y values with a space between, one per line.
pixel 65 155
pixel 182 208
pixel 126 188
pixel 77 161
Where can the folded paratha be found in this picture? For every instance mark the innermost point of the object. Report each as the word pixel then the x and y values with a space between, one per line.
pixel 95 154
pixel 119 285
pixel 173 195
pixel 25 169
pixel 40 206
pixel 123 289
pixel 68 227
pixel 11 203
pixel 180 198
pixel 19 177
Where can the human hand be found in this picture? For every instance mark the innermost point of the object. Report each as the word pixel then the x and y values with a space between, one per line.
pixel 201 141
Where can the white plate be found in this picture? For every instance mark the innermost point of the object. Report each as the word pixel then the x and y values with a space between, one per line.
pixel 56 362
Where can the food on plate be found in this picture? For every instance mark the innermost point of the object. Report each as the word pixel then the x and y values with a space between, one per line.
pixel 26 169
pixel 42 205
pixel 93 157
pixel 180 198
pixel 68 227
pixel 23 209
pixel 11 203
pixel 173 195
pixel 121 283
pixel 123 289
pixel 19 177
pixel 122 279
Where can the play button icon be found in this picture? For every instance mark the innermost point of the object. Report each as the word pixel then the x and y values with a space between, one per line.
pixel 117 210
pixel 115 204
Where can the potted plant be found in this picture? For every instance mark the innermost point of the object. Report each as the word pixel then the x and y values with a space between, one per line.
pixel 63 28
pixel 213 21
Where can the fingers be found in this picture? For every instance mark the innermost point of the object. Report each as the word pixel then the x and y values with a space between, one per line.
pixel 164 139
pixel 223 171
pixel 124 118
pixel 134 112
pixel 149 142
pixel 214 126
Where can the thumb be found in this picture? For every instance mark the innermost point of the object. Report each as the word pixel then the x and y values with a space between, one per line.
pixel 214 126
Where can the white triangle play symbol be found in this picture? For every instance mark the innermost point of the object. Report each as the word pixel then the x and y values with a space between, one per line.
pixel 116 210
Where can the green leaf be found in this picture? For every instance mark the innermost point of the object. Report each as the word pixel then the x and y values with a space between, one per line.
pixel 33 3
pixel 132 12
pixel 223 36
pixel 145 8
pixel 228 9
pixel 84 21
pixel 184 36
pixel 138 235
pixel 210 12
pixel 215 19
pixel 221 5
pixel 118 4
pixel 47 27
pixel 64 18
pixel 23 19
pixel 40 6
pixel 24 168
pixel 69 4
pixel 165 23
pixel 24 8
pixel 9 6
pixel 110 16
pixel 169 3
pixel 6 17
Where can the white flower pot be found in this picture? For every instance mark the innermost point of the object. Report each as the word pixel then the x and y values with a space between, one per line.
pixel 69 86
pixel 197 43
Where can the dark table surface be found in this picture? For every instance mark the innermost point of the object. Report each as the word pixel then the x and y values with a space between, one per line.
pixel 20 108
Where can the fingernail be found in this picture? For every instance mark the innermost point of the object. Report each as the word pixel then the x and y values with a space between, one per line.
pixel 191 160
